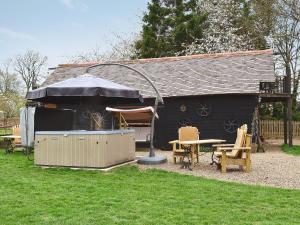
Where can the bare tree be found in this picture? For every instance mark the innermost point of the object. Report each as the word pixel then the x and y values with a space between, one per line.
pixel 92 55
pixel 294 8
pixel 9 82
pixel 29 67
pixel 286 41
pixel 124 49
pixel 11 103
pixel 10 91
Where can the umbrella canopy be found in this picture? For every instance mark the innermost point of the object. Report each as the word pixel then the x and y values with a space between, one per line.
pixel 85 85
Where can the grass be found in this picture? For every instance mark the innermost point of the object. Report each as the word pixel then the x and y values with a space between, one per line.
pixel 5 131
pixel 294 150
pixel 31 195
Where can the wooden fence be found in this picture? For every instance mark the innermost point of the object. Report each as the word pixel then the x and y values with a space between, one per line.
pixel 9 122
pixel 274 128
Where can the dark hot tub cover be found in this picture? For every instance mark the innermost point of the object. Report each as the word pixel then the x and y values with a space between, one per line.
pixel 84 85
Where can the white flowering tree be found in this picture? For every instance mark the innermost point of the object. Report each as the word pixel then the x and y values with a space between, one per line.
pixel 222 33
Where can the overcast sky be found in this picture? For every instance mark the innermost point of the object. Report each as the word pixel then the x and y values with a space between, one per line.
pixel 62 28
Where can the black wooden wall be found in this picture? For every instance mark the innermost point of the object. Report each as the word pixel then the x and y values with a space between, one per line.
pixel 215 116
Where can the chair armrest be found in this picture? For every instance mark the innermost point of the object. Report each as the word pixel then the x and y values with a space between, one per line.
pixel 231 149
pixel 174 142
pixel 223 145
pixel 245 149
pixel 226 149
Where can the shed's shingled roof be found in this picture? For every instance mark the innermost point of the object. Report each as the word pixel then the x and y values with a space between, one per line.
pixel 204 74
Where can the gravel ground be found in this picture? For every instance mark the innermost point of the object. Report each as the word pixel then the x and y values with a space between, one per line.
pixel 272 168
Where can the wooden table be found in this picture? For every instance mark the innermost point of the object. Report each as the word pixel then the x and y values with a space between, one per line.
pixel 196 143
pixel 9 139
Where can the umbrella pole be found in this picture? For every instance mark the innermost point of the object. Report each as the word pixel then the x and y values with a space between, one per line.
pixel 151 150
pixel 152 158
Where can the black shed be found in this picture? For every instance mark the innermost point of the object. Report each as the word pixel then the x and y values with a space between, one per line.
pixel 214 92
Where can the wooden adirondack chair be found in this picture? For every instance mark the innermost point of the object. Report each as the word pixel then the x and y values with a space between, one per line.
pixel 187 133
pixel 232 154
pixel 16 132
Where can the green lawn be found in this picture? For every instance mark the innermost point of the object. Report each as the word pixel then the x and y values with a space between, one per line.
pixel 295 150
pixel 5 131
pixel 31 195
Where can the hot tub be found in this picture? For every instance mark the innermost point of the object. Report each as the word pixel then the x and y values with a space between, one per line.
pixel 91 149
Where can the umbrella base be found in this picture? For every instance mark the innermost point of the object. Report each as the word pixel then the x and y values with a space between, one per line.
pixel 147 160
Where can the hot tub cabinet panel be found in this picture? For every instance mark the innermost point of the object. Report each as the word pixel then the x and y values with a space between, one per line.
pixel 96 149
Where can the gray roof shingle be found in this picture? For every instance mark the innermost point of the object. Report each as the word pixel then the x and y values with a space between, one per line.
pixel 205 74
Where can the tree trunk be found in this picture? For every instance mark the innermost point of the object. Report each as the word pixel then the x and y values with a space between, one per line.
pixel 285 124
pixel 290 126
pixel 295 93
pixel 289 103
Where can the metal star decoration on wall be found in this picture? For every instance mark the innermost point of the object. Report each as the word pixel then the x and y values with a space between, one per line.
pixel 184 122
pixel 203 110
pixel 230 126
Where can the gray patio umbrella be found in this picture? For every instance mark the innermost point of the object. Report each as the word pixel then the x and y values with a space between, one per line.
pixel 84 86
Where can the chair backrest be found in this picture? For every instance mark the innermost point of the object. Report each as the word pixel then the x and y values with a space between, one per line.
pixel 188 133
pixel 16 130
pixel 240 140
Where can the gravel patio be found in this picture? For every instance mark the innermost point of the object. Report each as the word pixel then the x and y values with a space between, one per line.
pixel 272 168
